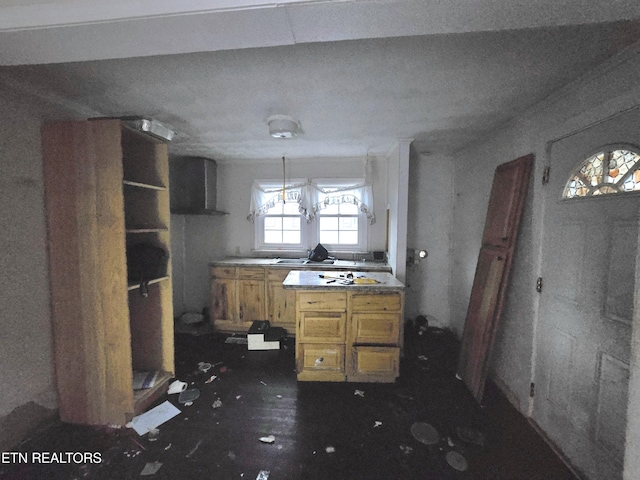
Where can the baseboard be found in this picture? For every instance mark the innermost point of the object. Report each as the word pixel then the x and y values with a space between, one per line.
pixel 555 449
pixel 23 422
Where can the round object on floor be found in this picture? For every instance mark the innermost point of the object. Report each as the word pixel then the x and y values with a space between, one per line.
pixel 425 433
pixel 470 435
pixel 456 460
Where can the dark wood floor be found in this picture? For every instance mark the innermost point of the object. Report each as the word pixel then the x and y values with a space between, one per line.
pixel 322 430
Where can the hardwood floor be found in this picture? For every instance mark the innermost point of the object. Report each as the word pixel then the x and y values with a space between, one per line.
pixel 321 430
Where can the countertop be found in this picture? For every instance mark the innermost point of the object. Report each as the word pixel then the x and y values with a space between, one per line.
pixel 315 266
pixel 313 280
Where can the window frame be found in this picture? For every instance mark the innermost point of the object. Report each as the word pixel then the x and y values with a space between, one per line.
pixel 309 231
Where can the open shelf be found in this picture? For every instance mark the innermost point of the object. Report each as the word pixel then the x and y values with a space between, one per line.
pixel 150 186
pixel 133 286
pixel 142 399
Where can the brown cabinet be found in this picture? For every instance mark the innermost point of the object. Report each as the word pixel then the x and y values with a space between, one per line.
pixel 348 336
pixel 106 190
pixel 281 303
pixel 237 297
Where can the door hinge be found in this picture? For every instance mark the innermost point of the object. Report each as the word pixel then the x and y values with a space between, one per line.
pixel 539 285
pixel 532 390
pixel 545 175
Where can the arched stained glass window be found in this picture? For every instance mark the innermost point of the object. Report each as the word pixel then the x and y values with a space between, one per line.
pixel 608 171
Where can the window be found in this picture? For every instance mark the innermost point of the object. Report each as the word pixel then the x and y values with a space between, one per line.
pixel 614 170
pixel 331 212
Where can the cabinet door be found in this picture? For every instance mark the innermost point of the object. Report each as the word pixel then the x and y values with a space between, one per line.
pixel 223 303
pixel 251 303
pixel 281 303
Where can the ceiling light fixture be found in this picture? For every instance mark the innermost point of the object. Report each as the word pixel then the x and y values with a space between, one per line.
pixel 282 126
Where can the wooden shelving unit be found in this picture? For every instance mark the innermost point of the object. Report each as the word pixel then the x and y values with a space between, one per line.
pixel 106 189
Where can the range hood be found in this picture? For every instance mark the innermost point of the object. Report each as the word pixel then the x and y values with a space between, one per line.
pixel 193 185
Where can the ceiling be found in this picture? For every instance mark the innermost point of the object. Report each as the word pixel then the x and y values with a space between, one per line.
pixel 357 75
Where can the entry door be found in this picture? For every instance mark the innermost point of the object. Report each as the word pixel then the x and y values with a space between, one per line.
pixel 586 310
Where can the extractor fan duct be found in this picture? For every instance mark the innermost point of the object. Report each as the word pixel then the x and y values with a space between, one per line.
pixel 282 126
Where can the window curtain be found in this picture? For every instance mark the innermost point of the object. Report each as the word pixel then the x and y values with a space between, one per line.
pixel 311 197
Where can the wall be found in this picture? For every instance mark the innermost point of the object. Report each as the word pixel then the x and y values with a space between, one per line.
pixel 26 376
pixel 613 88
pixel 429 228
pixel 200 240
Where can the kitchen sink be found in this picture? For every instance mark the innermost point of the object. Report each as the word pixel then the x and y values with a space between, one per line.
pixel 305 261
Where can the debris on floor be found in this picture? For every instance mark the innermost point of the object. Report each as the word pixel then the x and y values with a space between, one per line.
pixel 177 387
pixel 456 460
pixel 189 396
pixel 204 366
pixel 359 393
pixel 263 475
pixel 268 439
pixel 151 468
pixel 425 433
pixel 153 418
pixel 217 403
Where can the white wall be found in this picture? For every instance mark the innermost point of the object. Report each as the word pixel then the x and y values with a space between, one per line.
pixel 429 228
pixel 202 239
pixel 611 89
pixel 26 373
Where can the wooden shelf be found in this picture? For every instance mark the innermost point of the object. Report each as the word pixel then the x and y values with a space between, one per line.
pixel 147 230
pixel 144 185
pixel 142 399
pixel 133 286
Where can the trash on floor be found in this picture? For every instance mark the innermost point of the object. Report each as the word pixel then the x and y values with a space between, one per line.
pixel 406 449
pixel 188 396
pixel 330 449
pixel 217 403
pixel 470 435
pixel 177 387
pixel 153 418
pixel 237 340
pixel 268 439
pixel 210 379
pixel 425 433
pixel 204 366
pixel 195 449
pixel 456 460
pixel 151 468
pixel 359 393
pixel 377 424
pixel 153 434
pixel 263 475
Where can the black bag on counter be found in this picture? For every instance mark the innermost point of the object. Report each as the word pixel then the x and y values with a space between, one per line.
pixel 146 262
pixel 318 254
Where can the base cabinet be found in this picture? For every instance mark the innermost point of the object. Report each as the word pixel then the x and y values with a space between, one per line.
pixel 237 298
pixel 347 336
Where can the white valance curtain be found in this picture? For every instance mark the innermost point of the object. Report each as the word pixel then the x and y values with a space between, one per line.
pixel 312 197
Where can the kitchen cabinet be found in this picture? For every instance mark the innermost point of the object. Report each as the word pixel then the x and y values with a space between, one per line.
pixel 347 333
pixel 281 303
pixel 237 297
pixel 106 190
pixel 243 290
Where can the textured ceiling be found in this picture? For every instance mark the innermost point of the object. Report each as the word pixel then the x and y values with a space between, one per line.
pixel 351 96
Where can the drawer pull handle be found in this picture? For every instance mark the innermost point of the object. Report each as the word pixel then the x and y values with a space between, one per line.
pixel 319 361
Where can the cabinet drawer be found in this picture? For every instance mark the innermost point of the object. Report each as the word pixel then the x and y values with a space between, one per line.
pixel 252 273
pixel 383 362
pixel 322 327
pixel 321 357
pixel 376 302
pixel 223 272
pixel 380 328
pixel 315 301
